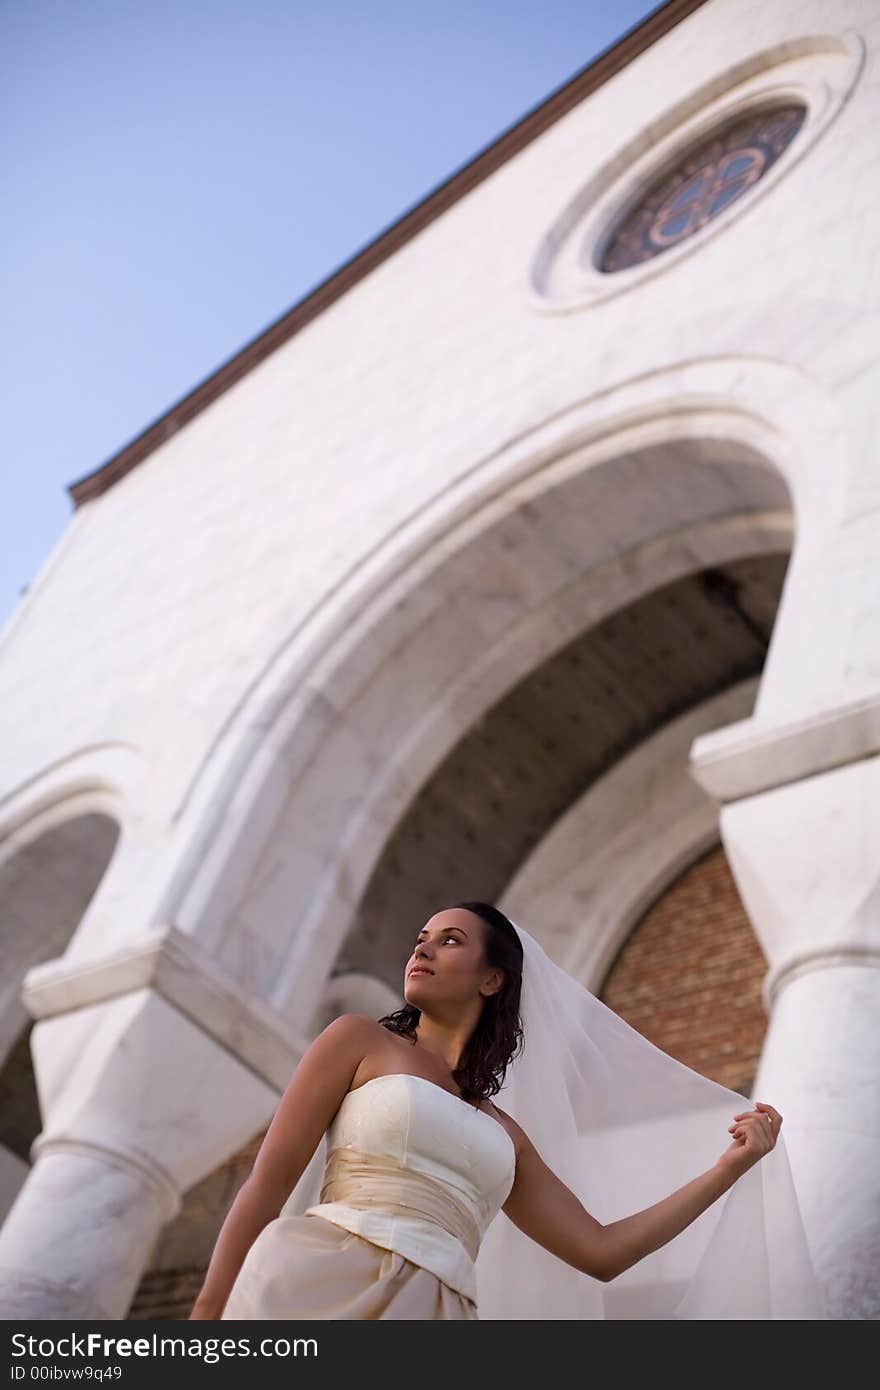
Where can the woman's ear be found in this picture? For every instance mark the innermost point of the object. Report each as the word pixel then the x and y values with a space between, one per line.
pixel 493 984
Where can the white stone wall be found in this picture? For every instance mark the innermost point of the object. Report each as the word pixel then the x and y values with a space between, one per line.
pixel 168 594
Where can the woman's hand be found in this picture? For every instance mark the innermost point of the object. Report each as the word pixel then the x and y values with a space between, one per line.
pixel 754 1134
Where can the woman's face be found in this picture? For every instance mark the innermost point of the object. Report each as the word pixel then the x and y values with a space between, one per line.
pixel 446 965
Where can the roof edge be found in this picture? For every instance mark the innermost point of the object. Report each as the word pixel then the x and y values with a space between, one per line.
pixel 586 81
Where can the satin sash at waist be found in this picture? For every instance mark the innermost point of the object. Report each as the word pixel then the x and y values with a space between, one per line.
pixel 370 1181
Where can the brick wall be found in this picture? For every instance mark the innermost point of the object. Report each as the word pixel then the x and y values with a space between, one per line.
pixel 168 1290
pixel 689 976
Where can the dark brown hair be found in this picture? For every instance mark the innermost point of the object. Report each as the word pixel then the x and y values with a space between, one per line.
pixel 498 1036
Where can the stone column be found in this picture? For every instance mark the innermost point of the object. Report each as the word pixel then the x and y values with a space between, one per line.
pixel 804 848
pixel 139 1102
pixel 80 1232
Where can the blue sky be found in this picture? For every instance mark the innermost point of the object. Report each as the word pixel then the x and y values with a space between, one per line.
pixel 179 173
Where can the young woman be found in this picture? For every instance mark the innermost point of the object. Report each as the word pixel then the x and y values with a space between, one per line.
pixel 420 1159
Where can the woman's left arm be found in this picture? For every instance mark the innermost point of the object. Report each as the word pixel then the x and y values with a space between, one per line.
pixel 633 1237
pixel 545 1209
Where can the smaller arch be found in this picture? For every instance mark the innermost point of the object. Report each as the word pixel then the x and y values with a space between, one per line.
pixel 50 870
pixel 107 777
pixel 60 833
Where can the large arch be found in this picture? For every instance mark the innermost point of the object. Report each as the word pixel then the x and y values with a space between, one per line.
pixel 671 492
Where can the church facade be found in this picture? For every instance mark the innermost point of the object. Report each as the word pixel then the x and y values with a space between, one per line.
pixel 533 557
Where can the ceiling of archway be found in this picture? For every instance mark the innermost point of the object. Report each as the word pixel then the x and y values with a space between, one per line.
pixel 523 764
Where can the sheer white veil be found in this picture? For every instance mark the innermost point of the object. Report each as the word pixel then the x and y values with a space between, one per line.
pixel 623 1125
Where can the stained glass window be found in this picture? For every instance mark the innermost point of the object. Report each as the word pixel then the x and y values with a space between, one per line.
pixel 709 178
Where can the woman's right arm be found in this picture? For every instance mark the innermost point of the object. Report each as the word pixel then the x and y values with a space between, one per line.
pixel 313 1096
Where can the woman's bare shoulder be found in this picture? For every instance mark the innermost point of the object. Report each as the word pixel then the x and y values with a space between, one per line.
pixel 358 1024
pixel 356 1033
pixel 364 1021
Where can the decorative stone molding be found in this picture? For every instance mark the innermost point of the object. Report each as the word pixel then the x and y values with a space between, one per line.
pixel 817 72
pixel 140 1166
pixel 175 967
pixel 745 758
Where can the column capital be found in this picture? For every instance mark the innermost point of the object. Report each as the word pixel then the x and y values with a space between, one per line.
pixel 805 856
pixel 141 1166
pixel 752 756
pixel 133 1079
pixel 176 967
pixel 822 958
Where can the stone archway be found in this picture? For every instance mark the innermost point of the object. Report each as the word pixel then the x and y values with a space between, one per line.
pixel 558 569
pixel 50 869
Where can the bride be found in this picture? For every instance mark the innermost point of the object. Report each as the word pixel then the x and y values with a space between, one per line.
pixel 417 1160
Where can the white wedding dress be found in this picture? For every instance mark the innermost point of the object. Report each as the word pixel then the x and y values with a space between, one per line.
pixel 413 1177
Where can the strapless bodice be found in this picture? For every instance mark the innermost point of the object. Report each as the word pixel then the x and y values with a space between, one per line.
pixel 416 1169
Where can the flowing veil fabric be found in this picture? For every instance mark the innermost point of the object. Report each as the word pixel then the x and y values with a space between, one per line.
pixel 623 1125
